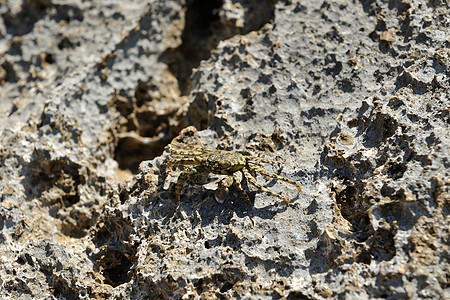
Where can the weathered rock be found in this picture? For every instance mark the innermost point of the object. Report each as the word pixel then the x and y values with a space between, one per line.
pixel 353 97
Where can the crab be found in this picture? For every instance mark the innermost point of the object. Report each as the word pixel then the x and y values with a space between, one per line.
pixel 198 163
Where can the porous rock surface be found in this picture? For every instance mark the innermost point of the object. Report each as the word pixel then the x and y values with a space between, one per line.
pixel 353 97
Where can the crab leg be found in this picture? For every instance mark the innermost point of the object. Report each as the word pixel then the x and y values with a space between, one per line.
pixel 263 160
pixel 180 183
pixel 222 189
pixel 263 171
pixel 253 181
pixel 188 161
pixel 238 177
pixel 192 175
pixel 186 152
pixel 189 152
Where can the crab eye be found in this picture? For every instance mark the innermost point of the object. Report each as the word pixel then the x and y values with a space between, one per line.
pixel 226 164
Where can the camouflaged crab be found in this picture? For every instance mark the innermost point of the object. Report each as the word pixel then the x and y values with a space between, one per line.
pixel 200 162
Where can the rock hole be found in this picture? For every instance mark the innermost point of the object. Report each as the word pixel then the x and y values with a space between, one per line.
pixel 8 73
pixel 115 268
pixel 56 184
pixel 65 43
pixel 380 129
pixel 382 246
pixel 196 44
pixel 226 287
pixel 207 246
pixel 62 290
pixel 23 22
pixel 198 284
pixel 117 254
pixel 354 211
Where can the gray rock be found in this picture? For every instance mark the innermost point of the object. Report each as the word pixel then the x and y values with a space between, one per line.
pixel 352 97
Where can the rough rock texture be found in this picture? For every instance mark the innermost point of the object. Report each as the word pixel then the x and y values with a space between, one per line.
pixel 352 96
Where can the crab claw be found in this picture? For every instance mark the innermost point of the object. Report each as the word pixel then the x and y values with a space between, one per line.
pixel 221 194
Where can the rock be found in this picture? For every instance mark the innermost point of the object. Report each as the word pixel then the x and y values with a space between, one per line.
pixel 352 97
